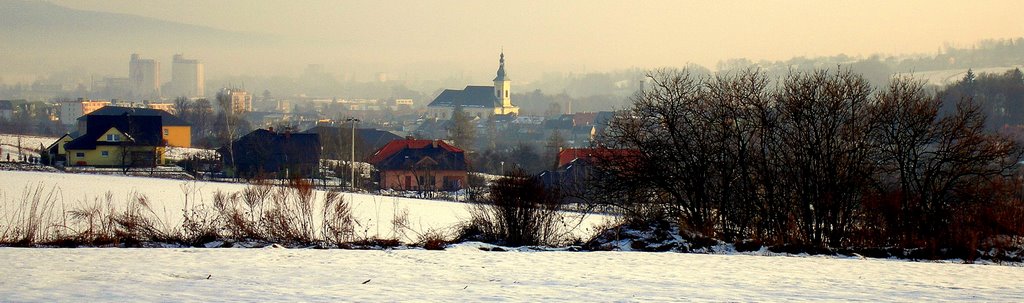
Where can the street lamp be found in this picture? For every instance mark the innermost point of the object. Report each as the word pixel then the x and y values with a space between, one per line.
pixel 503 167
pixel 352 164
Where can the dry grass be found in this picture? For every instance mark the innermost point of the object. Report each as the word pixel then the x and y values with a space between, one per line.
pixel 261 213
pixel 293 215
pixel 434 239
pixel 32 218
pixel 338 226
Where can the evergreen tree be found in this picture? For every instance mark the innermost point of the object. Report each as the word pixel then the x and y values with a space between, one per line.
pixel 968 83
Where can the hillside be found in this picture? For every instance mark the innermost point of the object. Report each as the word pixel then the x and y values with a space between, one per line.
pixel 40 38
pixel 28 24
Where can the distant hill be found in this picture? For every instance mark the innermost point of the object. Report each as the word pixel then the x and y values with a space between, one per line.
pixel 36 23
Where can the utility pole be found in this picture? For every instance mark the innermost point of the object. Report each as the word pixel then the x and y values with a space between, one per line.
pixel 352 164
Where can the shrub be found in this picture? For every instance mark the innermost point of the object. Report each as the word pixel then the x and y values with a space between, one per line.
pixel 518 211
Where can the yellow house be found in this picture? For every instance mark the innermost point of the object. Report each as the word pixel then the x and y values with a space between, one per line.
pixel 174 131
pixel 56 150
pixel 115 148
pixel 177 135
pixel 107 145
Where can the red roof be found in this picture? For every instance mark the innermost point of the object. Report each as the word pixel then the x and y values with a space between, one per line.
pixel 569 154
pixel 396 146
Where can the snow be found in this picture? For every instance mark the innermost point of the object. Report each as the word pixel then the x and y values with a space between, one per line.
pixel 374 213
pixel 951 76
pixel 465 273
pixel 179 153
pixel 29 145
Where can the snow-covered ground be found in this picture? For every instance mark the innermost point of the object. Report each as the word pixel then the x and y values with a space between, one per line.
pixel 178 153
pixel 29 145
pixel 460 273
pixel 466 274
pixel 951 76
pixel 375 214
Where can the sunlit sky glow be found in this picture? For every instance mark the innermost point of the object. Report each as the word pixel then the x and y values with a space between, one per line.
pixel 457 37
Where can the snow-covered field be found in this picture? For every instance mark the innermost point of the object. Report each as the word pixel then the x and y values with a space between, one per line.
pixel 29 145
pixel 460 273
pixel 466 274
pixel 374 213
pixel 950 76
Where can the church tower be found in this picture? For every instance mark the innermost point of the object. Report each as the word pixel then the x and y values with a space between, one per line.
pixel 503 85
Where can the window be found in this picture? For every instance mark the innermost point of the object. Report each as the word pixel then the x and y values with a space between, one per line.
pixel 105 153
pixel 80 155
pixel 113 137
pixel 166 132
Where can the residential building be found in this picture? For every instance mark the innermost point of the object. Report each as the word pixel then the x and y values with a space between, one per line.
pixel 579 129
pixel 269 154
pixel 167 107
pixel 238 100
pixel 480 101
pixel 57 153
pixel 425 165
pixel 143 78
pixel 187 78
pixel 576 167
pixel 174 131
pixel 403 104
pixel 70 111
pixel 116 141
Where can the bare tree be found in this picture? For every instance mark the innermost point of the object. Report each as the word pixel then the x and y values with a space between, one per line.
pixel 823 128
pixel 461 131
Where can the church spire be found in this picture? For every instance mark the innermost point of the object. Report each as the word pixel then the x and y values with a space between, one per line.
pixel 501 69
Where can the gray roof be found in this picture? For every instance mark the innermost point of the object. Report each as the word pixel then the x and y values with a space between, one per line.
pixel 167 119
pixel 142 130
pixel 471 96
pixel 6 105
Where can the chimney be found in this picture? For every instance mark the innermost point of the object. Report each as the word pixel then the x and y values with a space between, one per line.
pixel 434 143
pixel 410 138
pixel 271 129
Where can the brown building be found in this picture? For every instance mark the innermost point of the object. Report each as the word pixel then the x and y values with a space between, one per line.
pixel 430 165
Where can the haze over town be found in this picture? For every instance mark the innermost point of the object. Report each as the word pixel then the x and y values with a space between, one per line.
pixel 424 41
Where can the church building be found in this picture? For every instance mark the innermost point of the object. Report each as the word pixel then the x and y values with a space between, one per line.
pixel 478 101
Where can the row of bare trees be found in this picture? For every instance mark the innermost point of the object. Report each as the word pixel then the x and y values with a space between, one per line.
pixel 820 159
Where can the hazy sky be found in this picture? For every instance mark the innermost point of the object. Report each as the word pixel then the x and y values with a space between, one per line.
pixel 453 37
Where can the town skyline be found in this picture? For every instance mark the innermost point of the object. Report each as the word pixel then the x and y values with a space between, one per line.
pixel 435 40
